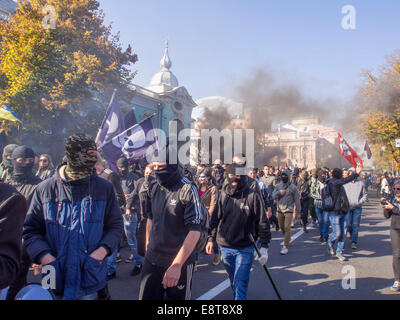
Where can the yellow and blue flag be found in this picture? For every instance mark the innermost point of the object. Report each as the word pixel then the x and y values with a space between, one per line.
pixel 8 114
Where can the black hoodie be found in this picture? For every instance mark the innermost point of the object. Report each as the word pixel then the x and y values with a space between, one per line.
pixel 12 215
pixel 237 215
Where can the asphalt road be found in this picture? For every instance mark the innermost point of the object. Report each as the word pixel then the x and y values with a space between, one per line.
pixel 306 273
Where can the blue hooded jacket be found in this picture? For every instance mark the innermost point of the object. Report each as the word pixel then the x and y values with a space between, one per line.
pixel 70 220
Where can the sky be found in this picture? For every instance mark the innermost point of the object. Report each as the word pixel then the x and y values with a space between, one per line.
pixel 215 45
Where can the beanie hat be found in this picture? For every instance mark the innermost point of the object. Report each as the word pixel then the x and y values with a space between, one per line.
pixel 8 150
pixel 23 152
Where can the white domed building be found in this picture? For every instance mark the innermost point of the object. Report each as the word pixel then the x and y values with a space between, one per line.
pixel 164 98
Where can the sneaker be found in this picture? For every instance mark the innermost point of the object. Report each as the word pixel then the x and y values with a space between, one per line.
pixel 292 224
pixel 341 257
pixel 330 250
pixel 354 246
pixel 284 250
pixel 119 259
pixel 396 286
pixel 130 259
pixel 217 259
pixel 136 270
pixel 321 239
pixel 111 276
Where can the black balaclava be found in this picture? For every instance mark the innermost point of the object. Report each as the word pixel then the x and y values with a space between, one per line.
pixel 7 151
pixel 123 167
pixel 171 174
pixel 79 163
pixel 22 172
pixel 337 173
pixel 242 182
pixel 285 176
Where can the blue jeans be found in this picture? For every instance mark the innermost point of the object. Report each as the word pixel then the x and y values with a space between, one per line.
pixel 112 263
pixel 323 221
pixel 130 226
pixel 238 263
pixel 353 223
pixel 338 222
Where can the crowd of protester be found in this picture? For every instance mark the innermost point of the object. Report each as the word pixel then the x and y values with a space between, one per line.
pixel 78 214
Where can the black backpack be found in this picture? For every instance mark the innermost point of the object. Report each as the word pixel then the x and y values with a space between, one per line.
pixel 342 202
pixel 327 200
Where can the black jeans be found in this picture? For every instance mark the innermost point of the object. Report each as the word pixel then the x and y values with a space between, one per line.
pixel 395 236
pixel 151 287
pixel 305 205
pixel 313 213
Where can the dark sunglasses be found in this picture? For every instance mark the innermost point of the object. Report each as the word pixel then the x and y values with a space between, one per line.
pixel 396 188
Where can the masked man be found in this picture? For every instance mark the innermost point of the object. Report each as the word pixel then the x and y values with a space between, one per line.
pixel 174 220
pixel 240 212
pixel 74 223
pixel 288 199
pixel 6 166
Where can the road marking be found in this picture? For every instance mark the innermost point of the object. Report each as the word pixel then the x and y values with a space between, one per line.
pixel 215 291
pixel 294 237
pixel 209 295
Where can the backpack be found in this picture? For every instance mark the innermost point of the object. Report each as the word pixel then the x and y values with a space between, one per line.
pixel 205 221
pixel 327 200
pixel 342 202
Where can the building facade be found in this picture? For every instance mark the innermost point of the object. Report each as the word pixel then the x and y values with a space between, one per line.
pixel 306 143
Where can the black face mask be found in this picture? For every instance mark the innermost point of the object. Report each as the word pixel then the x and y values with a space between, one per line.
pixel 285 179
pixel 242 184
pixel 22 171
pixel 168 176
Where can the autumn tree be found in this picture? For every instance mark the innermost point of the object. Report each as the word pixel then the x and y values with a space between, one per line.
pixel 59 80
pixel 380 107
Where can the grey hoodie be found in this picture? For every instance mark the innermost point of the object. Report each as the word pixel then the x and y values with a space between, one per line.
pixel 286 203
pixel 356 193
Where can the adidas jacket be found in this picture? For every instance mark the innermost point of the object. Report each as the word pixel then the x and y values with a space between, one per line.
pixel 174 213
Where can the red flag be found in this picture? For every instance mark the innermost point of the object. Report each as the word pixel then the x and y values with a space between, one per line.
pixel 367 150
pixel 348 152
